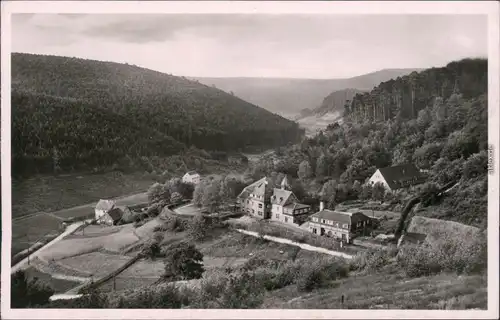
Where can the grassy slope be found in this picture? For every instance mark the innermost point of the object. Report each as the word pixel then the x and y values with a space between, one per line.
pixel 388 289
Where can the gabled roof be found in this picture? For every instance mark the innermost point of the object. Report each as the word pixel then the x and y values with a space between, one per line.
pixel 340 216
pixel 116 213
pixel 401 175
pixel 257 188
pixel 191 173
pixel 280 196
pixel 105 205
pixel 297 206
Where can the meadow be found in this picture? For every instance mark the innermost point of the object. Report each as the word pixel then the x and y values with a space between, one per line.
pixel 53 193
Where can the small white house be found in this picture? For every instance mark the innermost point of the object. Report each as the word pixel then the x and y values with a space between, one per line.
pixel 103 207
pixel 397 177
pixel 191 177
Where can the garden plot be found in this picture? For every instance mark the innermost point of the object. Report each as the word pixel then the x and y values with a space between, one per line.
pixel 96 263
pixel 237 245
pixel 147 229
pixel 94 231
pixel 74 246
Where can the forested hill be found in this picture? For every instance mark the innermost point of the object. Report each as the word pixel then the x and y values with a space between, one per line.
pixel 407 95
pixel 334 102
pixel 83 109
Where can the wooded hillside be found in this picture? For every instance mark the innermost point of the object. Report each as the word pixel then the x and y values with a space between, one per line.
pixel 443 131
pixel 120 110
pixel 407 95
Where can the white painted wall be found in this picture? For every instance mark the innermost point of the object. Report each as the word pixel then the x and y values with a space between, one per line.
pixel 194 179
pixel 376 178
pixel 99 213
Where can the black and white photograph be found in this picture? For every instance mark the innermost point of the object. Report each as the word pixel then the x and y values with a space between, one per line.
pixel 271 159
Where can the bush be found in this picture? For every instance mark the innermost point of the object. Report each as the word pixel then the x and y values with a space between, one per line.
pixel 198 227
pixel 28 293
pixel 172 223
pixel 166 297
pixel 371 261
pixel 466 256
pixel 318 275
pixel 183 262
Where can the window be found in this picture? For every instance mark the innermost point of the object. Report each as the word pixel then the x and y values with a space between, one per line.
pixel 260 205
pixel 323 221
pixel 260 213
pixel 253 211
pixel 344 226
pixel 315 220
pixel 286 219
pixel 337 224
pixel 314 230
pixel 248 201
pixel 277 216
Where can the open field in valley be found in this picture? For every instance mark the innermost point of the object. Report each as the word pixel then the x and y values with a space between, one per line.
pixel 53 193
pixel 26 232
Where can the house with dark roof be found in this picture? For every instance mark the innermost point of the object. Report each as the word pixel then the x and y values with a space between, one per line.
pixel 397 177
pixel 107 212
pixel 192 177
pixel 252 199
pixel 338 224
pixel 286 207
pixel 282 205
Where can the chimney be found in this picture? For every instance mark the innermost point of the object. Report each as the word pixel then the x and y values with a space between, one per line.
pixel 321 206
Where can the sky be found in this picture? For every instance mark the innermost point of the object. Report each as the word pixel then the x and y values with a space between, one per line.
pixel 256 45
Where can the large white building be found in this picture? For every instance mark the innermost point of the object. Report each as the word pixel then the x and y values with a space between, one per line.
pixel 252 199
pixel 281 206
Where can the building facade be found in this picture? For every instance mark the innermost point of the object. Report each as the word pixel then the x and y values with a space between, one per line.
pixel 286 207
pixel 103 207
pixel 343 226
pixel 191 177
pixel 252 200
pixel 282 205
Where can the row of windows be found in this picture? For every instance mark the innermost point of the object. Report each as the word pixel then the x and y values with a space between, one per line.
pixel 336 224
pixel 302 210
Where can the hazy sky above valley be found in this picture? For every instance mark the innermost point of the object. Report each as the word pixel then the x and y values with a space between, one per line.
pixel 295 46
